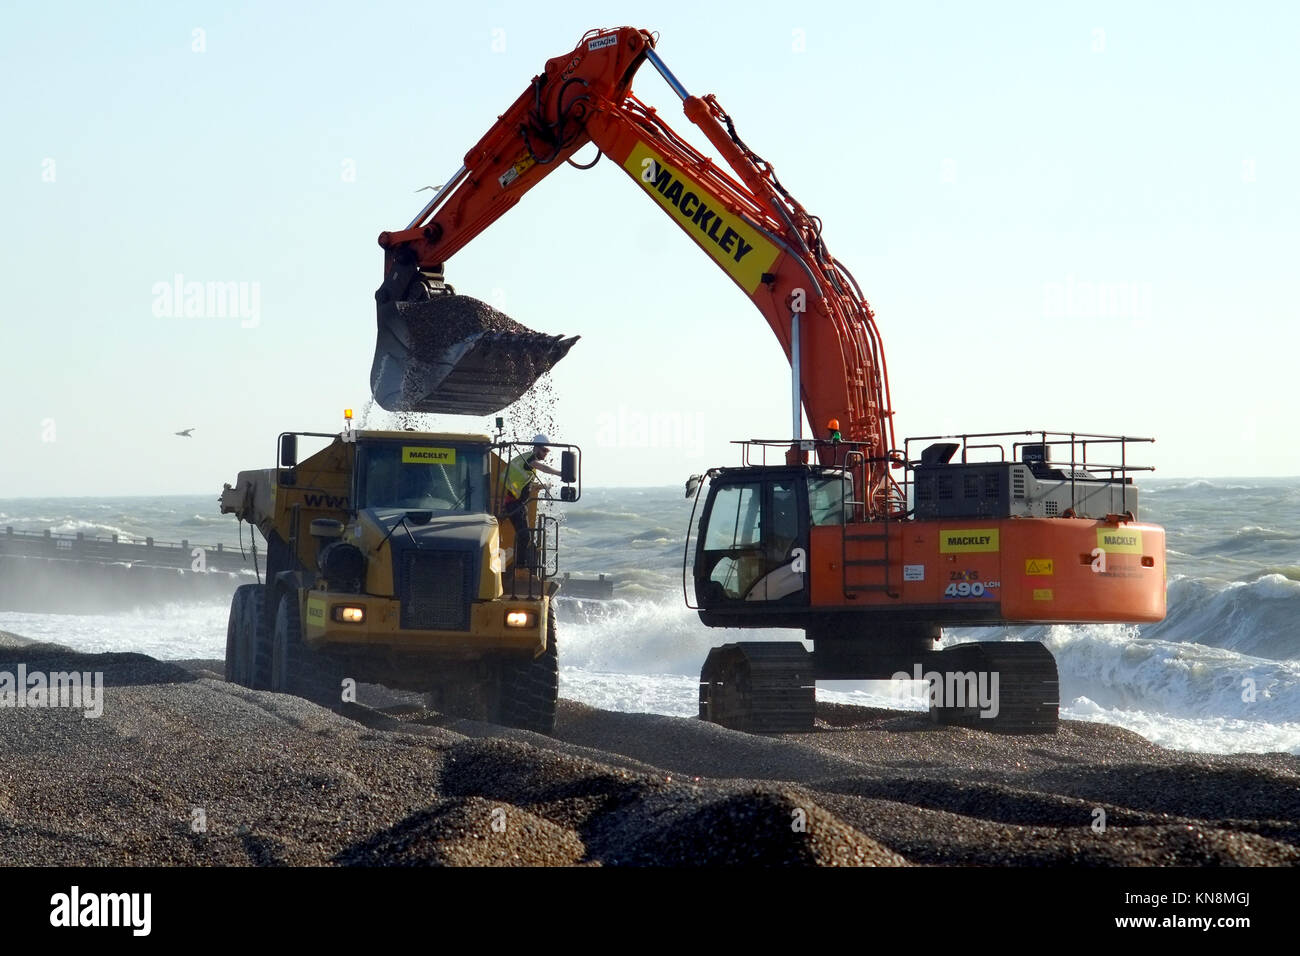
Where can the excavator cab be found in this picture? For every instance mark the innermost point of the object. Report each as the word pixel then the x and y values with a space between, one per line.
pixel 753 539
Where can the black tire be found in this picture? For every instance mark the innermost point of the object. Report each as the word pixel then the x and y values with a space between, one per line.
pixel 295 668
pixel 259 639
pixel 237 662
pixel 531 687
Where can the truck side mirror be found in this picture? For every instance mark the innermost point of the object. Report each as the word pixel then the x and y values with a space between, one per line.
pixel 288 451
pixel 568 467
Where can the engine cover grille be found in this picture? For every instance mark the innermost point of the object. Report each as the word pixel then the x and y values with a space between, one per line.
pixel 436 590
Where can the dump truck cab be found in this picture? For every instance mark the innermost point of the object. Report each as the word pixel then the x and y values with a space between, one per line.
pixel 387 563
pixel 420 559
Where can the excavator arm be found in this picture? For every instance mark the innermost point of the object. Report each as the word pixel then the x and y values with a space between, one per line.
pixel 429 358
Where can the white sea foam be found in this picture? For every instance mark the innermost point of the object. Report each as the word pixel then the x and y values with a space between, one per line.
pixel 643 637
pixel 91 529
pixel 168 631
pixel 674 695
pixel 1259 618
pixel 1207 734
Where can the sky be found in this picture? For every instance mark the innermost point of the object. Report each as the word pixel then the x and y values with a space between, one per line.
pixel 1065 216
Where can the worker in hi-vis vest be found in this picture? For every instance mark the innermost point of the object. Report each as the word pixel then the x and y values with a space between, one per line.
pixel 835 438
pixel 519 485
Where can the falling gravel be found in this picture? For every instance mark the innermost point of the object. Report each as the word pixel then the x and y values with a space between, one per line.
pixel 455 354
pixel 185 769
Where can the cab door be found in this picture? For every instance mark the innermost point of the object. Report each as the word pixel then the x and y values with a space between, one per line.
pixel 753 544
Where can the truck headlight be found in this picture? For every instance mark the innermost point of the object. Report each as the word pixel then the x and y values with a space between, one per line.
pixel 519 618
pixel 349 614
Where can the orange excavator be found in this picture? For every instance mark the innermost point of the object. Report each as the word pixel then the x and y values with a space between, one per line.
pixel 867 546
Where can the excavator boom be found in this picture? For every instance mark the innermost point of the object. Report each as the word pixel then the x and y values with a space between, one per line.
pixel 437 351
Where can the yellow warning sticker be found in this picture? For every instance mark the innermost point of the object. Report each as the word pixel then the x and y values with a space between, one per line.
pixel 1120 540
pixel 428 456
pixel 315 610
pixel 523 162
pixel 1039 566
pixel 1042 594
pixel 966 540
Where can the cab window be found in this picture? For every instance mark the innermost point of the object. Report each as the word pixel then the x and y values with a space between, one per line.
pixel 749 544
pixel 826 499
pixel 735 519
pixel 422 477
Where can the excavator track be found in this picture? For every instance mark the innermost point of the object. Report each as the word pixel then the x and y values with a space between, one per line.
pixel 1028 690
pixel 759 687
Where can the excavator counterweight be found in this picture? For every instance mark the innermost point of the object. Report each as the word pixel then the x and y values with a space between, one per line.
pixel 454 354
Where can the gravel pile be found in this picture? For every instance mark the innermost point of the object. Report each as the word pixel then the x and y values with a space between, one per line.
pixel 183 768
pixel 470 832
pixel 469 358
pixel 437 324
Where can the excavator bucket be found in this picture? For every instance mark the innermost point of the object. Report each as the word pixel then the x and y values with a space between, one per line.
pixel 456 355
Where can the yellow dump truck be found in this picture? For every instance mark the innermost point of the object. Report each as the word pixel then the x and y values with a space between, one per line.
pixel 386 563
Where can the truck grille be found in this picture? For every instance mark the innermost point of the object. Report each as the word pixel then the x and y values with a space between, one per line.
pixel 436 590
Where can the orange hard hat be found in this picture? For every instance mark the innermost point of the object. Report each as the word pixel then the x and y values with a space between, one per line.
pixel 833 424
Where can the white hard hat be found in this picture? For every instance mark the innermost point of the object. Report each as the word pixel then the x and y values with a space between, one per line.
pixel 540 439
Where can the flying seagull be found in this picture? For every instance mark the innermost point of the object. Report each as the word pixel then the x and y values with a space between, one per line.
pixel 185 433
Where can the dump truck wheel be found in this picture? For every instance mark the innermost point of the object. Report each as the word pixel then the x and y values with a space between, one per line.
pixel 530 688
pixel 258 637
pixel 297 669
pixel 237 663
